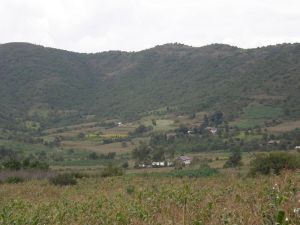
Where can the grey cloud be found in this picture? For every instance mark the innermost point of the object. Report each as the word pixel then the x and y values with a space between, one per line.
pixel 93 26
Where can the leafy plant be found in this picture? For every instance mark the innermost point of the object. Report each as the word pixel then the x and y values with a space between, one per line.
pixel 234 160
pixel 130 189
pixel 14 180
pixel 63 179
pixel 111 170
pixel 274 162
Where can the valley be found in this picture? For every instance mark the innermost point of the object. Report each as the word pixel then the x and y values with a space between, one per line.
pixel 168 135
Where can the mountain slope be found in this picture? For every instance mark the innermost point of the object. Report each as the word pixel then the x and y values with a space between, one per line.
pixel 51 85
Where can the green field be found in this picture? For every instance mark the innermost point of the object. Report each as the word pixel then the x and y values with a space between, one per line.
pixel 257 115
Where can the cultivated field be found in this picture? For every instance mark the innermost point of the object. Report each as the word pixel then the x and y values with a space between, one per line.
pixel 285 126
pixel 147 199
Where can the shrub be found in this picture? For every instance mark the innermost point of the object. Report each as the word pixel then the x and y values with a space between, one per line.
pixel 111 170
pixel 93 156
pixel 178 165
pixel 63 179
pixel 183 129
pixel 125 165
pixel 12 164
pixel 273 162
pixel 110 155
pixel 81 135
pixel 14 180
pixel 130 189
pixel 58 158
pixel 141 130
pixel 124 144
pixel 234 160
pixel 38 165
pixel 79 175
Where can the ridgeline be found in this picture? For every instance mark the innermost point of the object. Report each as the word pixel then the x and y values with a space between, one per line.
pixel 52 86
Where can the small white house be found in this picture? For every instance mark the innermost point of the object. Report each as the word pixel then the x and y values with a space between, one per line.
pixel 212 130
pixel 297 147
pixel 160 164
pixel 120 124
pixel 272 142
pixel 169 163
pixel 142 165
pixel 185 160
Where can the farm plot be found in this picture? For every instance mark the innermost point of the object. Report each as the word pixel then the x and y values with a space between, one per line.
pixel 257 115
pixel 142 200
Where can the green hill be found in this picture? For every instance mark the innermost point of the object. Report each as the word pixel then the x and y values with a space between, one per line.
pixel 54 86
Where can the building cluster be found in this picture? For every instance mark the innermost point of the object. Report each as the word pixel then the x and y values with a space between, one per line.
pixel 184 160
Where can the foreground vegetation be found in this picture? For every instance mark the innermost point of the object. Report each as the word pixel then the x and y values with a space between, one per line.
pixel 146 199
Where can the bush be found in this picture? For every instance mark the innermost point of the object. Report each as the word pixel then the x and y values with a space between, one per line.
pixel 112 171
pixel 110 155
pixel 63 179
pixel 130 189
pixel 124 144
pixel 38 165
pixel 12 164
pixel 182 129
pixel 14 180
pixel 273 162
pixel 125 165
pixel 141 130
pixel 234 160
pixel 93 156
pixel 79 175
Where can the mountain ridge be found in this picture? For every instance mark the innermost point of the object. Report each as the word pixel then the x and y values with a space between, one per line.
pixel 170 44
pixel 64 84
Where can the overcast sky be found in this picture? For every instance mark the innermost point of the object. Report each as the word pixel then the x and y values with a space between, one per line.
pixel 132 25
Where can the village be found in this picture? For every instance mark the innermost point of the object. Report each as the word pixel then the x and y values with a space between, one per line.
pixel 181 160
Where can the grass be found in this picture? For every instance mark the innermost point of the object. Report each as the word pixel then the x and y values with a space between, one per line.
pixel 78 157
pixel 98 137
pixel 164 125
pixel 256 115
pixel 262 112
pixel 80 163
pixel 285 126
pixel 161 124
pixel 170 122
pixel 25 148
pixel 248 123
pixel 202 171
pixel 32 125
pixel 245 137
pixel 218 200
pixel 98 148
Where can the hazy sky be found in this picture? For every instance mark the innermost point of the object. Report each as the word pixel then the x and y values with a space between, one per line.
pixel 99 25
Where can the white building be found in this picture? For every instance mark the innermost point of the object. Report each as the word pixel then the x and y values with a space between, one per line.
pixel 185 160
pixel 160 164
pixel 212 130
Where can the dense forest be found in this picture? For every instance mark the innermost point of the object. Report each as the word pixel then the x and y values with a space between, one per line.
pixel 49 86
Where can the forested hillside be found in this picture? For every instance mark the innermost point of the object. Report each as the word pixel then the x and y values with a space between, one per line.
pixel 50 85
